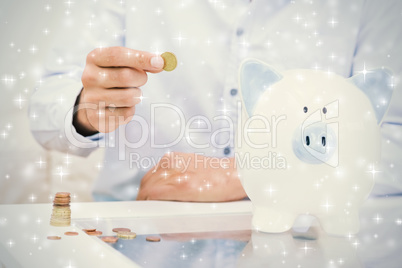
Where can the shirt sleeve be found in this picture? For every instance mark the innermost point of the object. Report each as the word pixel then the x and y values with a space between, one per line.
pixel 88 26
pixel 379 45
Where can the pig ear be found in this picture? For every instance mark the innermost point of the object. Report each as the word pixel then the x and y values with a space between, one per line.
pixel 255 78
pixel 376 84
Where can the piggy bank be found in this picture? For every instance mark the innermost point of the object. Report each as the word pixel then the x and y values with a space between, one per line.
pixel 308 142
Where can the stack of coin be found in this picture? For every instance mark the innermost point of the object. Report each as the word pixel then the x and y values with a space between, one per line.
pixel 61 215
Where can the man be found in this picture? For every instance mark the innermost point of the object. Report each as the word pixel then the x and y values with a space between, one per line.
pixel 140 114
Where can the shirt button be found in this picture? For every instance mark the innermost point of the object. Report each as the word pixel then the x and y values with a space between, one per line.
pixel 226 151
pixel 239 31
pixel 233 92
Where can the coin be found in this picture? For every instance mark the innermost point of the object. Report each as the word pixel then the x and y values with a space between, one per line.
pixel 62 194
pixel 116 230
pixel 89 230
pixel 95 233
pixel 109 239
pixel 126 235
pixel 170 61
pixel 53 237
pixel 153 238
pixel 71 233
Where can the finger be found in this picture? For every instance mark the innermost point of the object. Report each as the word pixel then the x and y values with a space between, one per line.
pixel 117 97
pixel 121 77
pixel 109 119
pixel 126 57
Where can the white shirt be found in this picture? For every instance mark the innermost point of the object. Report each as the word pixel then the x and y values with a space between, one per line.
pixel 210 40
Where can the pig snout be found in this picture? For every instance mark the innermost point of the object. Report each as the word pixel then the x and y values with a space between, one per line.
pixel 314 143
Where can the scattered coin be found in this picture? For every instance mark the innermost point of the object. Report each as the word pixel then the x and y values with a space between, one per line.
pixel 153 238
pixel 95 233
pixel 126 235
pixel 53 237
pixel 109 239
pixel 71 233
pixel 170 61
pixel 89 230
pixel 116 230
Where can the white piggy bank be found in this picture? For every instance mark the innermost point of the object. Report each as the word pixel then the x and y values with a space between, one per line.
pixel 308 143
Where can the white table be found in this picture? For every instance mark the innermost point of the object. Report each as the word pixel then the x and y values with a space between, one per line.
pixel 24 230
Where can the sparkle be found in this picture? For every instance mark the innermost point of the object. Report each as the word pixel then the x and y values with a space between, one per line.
pixel 350 236
pixel 179 39
pixel 183 256
pixel 99 165
pixel 208 42
pixel 244 43
pixel 10 243
pixel 373 171
pixel 69 3
pixel 4 134
pixel 60 99
pixel 90 24
pixel 377 218
pixel 70 265
pixel 33 116
pixel 32 198
pixel 61 172
pixel 306 248
pixel 158 11
pixel 45 31
pixel 356 243
pixel 392 83
pixel 67 159
pixel 48 8
pixel 327 205
pixel 364 72
pixel 270 190
pixel 19 101
pixel 8 79
pixel 297 18
pixel 333 22
pixel 332 56
pixel 398 221
pixel 33 49
pixel 34 238
pixel 224 110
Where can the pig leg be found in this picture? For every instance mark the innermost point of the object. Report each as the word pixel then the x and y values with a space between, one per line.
pixel 272 221
pixel 340 224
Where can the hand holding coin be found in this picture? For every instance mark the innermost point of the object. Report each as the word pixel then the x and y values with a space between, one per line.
pixel 111 80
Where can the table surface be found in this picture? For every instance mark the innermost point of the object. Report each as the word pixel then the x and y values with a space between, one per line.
pixel 193 234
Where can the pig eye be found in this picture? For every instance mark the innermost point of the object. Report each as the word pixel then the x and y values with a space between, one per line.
pixel 305 109
pixel 324 110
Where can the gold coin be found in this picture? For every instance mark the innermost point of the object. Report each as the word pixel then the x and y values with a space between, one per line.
pixel 126 235
pixel 170 61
